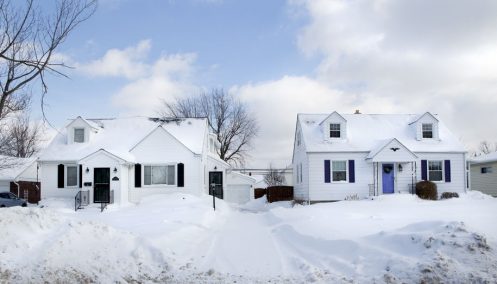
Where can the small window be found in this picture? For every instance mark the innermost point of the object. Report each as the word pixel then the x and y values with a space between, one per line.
pixel 486 170
pixel 159 175
pixel 339 170
pixel 79 135
pixel 335 130
pixel 298 138
pixel 435 171
pixel 72 176
pixel 427 130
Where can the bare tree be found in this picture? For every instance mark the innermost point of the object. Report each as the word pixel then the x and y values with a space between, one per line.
pixel 228 119
pixel 29 39
pixel 485 147
pixel 21 138
pixel 274 177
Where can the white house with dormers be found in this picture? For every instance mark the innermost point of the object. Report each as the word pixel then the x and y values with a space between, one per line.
pixel 125 159
pixel 340 155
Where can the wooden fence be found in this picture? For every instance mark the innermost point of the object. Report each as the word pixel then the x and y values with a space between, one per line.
pixel 27 190
pixel 275 193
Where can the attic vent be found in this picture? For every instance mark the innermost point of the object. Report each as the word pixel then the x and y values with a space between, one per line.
pixel 310 121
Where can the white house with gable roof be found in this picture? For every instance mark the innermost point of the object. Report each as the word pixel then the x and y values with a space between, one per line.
pixel 125 159
pixel 339 155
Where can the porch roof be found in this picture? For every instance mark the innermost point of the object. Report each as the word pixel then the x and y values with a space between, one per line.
pixel 391 151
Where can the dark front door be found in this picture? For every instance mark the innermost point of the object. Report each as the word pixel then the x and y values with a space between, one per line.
pixel 388 178
pixel 101 181
pixel 216 178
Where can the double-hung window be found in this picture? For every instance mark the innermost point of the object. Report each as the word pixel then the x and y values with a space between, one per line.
pixel 339 170
pixel 435 171
pixel 335 130
pixel 79 135
pixel 71 176
pixel 486 170
pixel 159 175
pixel 427 130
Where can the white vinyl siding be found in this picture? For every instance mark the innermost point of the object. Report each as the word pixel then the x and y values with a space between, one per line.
pixel 484 182
pixel 159 175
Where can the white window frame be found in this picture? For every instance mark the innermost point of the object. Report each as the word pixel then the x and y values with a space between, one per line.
pixel 334 130
pixel 161 184
pixel 423 131
pixel 74 134
pixel 428 171
pixel 66 175
pixel 346 172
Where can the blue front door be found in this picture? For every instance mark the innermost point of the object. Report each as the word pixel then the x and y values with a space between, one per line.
pixel 388 178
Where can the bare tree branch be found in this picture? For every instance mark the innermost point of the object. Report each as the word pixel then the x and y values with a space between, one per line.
pixel 228 119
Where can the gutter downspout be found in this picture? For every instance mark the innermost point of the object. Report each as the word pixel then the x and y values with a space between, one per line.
pixel 18 187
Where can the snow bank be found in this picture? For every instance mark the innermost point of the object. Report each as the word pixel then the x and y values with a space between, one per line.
pixel 179 238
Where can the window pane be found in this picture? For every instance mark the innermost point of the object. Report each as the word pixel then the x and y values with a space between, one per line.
pixel 79 135
pixel 147 174
pixel 170 174
pixel 435 165
pixel 159 175
pixel 72 176
pixel 435 176
pixel 427 130
pixel 339 166
pixel 339 170
pixel 339 176
pixel 335 130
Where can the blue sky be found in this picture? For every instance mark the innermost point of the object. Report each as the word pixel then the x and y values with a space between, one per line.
pixel 286 57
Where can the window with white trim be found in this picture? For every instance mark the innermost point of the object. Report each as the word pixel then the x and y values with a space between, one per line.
pixel 427 129
pixel 79 135
pixel 334 130
pixel 71 176
pixel 435 170
pixel 159 175
pixel 339 170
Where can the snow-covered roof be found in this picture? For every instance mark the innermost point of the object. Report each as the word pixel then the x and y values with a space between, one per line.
pixel 368 132
pixel 488 158
pixel 119 135
pixel 12 167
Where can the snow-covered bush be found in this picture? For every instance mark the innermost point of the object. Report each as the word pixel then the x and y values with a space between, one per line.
pixel 426 190
pixel 447 195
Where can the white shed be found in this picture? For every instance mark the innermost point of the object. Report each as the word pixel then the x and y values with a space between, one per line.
pixel 484 173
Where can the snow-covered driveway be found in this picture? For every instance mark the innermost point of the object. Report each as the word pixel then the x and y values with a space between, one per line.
pixel 179 238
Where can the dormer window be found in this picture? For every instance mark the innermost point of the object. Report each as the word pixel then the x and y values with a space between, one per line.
pixel 334 130
pixel 79 135
pixel 427 130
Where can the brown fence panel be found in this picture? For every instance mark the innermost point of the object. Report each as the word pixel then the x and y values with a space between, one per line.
pixel 259 192
pixel 279 193
pixel 31 191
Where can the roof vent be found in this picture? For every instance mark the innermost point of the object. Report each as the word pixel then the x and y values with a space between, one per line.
pixel 357 112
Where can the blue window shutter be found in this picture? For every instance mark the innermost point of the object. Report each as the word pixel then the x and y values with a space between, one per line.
pixel 181 175
pixel 351 171
pixel 424 170
pixel 138 175
pixel 327 178
pixel 447 170
pixel 60 176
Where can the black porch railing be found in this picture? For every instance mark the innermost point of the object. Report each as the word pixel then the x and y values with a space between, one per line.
pixel 81 199
pixel 103 205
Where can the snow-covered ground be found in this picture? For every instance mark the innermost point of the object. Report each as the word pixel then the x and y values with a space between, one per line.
pixel 179 238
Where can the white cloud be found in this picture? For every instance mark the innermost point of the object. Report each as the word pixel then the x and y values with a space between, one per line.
pixel 128 63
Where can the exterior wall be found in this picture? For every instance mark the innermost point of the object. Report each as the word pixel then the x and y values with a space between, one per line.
pixel 4 185
pixel 239 193
pixel 300 189
pixel 364 175
pixel 486 183
pixel 162 148
pixel 48 178
pixel 457 167
pixel 102 160
pixel 321 191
